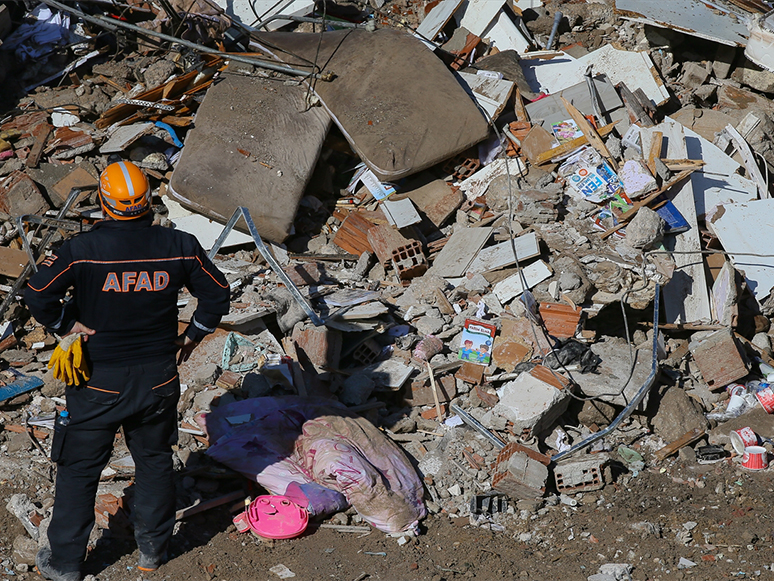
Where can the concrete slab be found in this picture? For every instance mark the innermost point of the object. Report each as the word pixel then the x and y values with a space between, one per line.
pixel 531 404
pixel 612 374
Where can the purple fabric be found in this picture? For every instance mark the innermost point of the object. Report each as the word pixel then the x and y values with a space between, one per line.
pixel 290 442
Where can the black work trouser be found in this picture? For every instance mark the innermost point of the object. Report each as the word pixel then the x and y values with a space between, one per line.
pixel 143 399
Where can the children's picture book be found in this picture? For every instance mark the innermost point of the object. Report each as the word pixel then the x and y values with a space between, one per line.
pixel 565 131
pixel 477 340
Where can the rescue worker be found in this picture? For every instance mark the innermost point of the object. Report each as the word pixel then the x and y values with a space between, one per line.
pixel 125 274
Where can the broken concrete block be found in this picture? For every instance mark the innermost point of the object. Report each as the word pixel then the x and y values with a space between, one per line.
pixel 754 77
pixel 422 391
pixel 429 325
pixel 437 200
pixel 676 415
pixel 723 60
pixel 519 476
pixel 357 389
pixel 694 75
pixel 581 474
pixel 24 550
pixel 530 403
pixel 306 274
pixel 595 412
pixel 19 195
pixel 614 371
pixel 718 358
pixel 705 92
pixel 320 345
pixel 645 230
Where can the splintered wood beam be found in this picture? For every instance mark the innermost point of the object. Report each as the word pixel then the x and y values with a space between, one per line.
pixel 589 132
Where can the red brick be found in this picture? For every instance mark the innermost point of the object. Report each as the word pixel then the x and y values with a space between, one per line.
pixel 321 345
pixel 384 239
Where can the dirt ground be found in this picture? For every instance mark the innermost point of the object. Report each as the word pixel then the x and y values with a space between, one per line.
pixel 717 516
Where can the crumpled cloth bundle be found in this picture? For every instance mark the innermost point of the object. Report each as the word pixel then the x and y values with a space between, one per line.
pixel 320 455
pixel 34 40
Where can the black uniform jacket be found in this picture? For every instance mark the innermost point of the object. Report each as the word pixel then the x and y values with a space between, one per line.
pixel 126 276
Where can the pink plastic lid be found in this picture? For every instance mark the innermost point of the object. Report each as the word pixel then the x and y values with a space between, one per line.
pixel 276 517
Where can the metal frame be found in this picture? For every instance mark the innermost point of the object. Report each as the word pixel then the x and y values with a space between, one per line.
pixel 112 24
pixel 636 400
pixel 31 266
pixel 243 212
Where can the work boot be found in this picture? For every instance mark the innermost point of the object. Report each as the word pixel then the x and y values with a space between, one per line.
pixel 43 564
pixel 150 562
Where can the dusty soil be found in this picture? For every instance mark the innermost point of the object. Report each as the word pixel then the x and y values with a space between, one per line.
pixel 643 520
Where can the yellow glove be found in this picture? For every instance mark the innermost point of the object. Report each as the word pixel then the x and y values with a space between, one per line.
pixel 68 362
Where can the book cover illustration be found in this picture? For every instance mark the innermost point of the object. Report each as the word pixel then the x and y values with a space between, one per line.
pixel 476 342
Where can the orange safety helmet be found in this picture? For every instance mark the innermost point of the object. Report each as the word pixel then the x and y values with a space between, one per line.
pixel 124 191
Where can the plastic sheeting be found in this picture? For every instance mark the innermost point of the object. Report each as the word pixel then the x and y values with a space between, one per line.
pixel 288 444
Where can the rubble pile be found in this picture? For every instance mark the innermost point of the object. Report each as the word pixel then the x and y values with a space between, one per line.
pixel 530 247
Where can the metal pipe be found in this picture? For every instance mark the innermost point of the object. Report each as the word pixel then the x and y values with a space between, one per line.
pixel 638 397
pixel 112 24
pixel 243 212
pixel 554 28
pixel 342 24
pixel 478 426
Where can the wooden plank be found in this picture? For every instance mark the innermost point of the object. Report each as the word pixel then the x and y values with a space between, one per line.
pixel 566 148
pixel 40 435
pixel 686 297
pixel 12 261
pixel 637 113
pixel 23 384
pixel 590 133
pixel 518 107
pixel 437 18
pixel 40 133
pixel 749 161
pixel 655 151
pixel 683 164
pixel 681 442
